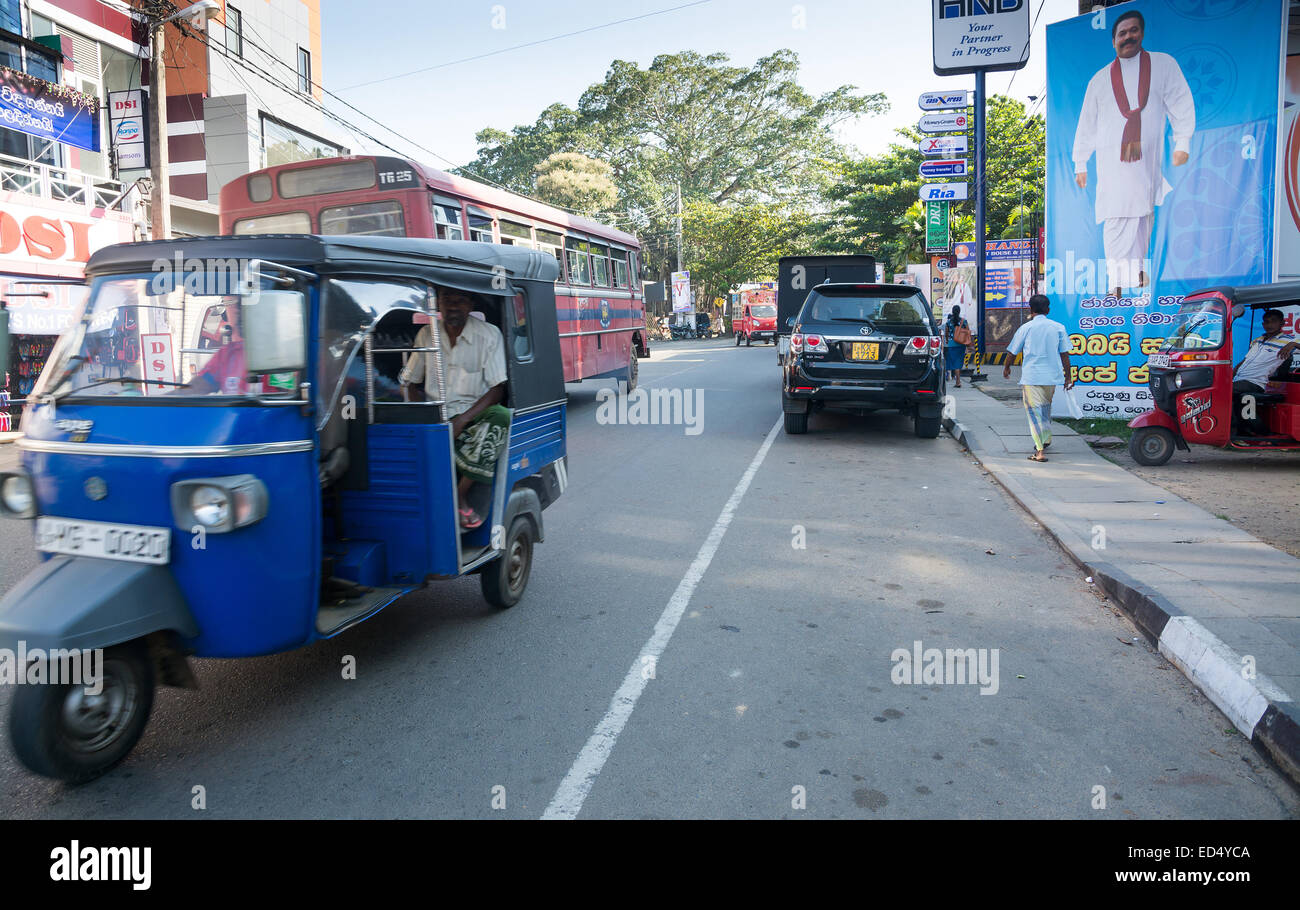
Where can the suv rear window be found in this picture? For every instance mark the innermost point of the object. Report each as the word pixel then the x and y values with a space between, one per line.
pixel 886 311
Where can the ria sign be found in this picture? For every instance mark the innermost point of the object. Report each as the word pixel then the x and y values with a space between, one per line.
pixel 943 192
pixel 975 35
pixel 946 146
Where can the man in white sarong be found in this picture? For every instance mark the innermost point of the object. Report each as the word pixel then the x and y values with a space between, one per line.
pixel 1123 121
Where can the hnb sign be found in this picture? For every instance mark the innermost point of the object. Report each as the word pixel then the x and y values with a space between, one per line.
pixel 975 35
pixel 950 8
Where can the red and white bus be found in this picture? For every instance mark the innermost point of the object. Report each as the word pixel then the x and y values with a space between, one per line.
pixel 598 295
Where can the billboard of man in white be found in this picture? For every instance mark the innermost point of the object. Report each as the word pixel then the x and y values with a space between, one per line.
pixel 1123 121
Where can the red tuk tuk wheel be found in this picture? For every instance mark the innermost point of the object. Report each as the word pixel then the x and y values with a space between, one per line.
pixel 1151 446
pixel 67 733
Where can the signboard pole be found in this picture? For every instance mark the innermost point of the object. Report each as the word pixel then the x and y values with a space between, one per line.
pixel 980 349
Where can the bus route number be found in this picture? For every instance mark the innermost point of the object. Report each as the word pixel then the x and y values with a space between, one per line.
pixel 395 177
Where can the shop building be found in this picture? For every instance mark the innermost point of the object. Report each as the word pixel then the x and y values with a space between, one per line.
pixel 243 92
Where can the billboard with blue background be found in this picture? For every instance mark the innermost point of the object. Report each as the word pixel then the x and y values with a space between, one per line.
pixel 1162 134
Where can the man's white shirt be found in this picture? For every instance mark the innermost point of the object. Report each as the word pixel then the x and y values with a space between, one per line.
pixel 475 364
pixel 1263 358
pixel 1131 189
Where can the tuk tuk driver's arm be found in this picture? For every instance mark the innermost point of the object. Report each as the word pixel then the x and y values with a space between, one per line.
pixel 494 395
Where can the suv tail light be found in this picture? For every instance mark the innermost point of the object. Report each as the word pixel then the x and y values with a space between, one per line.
pixel 815 343
pixel 936 345
pixel 796 343
pixel 917 345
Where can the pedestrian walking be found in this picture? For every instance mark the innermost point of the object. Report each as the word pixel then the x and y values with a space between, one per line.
pixel 957 332
pixel 1045 365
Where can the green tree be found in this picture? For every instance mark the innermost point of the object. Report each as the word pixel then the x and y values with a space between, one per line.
pixel 576 182
pixel 722 133
pixel 868 208
pixel 734 244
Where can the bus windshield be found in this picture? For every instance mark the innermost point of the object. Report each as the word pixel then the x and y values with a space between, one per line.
pixel 142 337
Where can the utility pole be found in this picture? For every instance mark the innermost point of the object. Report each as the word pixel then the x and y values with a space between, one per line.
pixel 160 214
pixel 679 227
pixel 160 209
pixel 981 343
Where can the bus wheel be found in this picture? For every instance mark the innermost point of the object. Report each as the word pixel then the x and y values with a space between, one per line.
pixel 737 339
pixel 631 371
pixel 1151 446
pixel 64 732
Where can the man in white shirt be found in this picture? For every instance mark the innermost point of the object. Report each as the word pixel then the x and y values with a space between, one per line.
pixel 1123 121
pixel 474 365
pixel 1045 365
pixel 1266 354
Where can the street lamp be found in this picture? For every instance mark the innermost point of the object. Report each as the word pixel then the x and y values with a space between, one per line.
pixel 160 207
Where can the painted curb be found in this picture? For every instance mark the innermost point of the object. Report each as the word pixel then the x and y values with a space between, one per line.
pixel 1257 707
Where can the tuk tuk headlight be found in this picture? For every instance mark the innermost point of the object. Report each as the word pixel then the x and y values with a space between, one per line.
pixel 218 504
pixel 1178 380
pixel 17 498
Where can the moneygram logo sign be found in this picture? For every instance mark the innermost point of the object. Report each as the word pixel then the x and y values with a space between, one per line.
pixel 974 35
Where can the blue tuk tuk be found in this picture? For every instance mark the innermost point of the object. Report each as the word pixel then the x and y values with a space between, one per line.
pixel 184 510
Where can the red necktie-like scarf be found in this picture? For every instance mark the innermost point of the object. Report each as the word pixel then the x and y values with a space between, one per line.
pixel 1130 146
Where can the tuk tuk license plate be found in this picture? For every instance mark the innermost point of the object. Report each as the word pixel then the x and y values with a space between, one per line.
pixel 1159 361
pixel 132 543
pixel 865 350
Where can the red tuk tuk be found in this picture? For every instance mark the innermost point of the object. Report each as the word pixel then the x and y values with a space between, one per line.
pixel 1191 380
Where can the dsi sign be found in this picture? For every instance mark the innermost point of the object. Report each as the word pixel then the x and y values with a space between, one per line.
pixel 971 35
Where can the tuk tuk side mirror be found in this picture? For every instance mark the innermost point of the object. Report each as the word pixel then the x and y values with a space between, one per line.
pixel 1238 310
pixel 4 342
pixel 275 334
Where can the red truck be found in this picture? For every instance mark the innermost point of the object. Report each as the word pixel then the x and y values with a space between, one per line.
pixel 757 321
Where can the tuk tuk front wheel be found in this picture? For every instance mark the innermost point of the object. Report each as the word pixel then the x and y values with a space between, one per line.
pixel 1151 446
pixel 64 732
pixel 503 580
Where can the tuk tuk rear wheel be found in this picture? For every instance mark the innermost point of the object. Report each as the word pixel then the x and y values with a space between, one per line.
pixel 503 580
pixel 62 732
pixel 1151 446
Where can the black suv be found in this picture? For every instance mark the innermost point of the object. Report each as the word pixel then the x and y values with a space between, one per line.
pixel 865 347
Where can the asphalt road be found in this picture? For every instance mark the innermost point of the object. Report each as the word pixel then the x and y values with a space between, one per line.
pixel 754 675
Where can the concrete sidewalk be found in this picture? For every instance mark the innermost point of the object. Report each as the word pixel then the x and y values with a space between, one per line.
pixel 1218 602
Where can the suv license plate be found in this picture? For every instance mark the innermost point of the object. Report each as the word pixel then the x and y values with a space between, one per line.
pixel 1160 361
pixel 132 543
pixel 865 350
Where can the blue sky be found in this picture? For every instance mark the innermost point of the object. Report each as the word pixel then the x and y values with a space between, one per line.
pixel 876 45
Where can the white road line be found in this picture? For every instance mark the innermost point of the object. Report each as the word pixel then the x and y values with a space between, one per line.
pixel 573 790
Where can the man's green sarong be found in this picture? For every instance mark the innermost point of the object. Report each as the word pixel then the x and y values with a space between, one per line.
pixel 479 445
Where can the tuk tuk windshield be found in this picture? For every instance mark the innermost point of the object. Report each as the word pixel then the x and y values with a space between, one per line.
pixel 1198 326
pixel 139 337
pixel 763 311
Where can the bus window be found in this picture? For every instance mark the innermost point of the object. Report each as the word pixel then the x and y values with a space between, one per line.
pixel 513 234
pixel 480 226
pixel 579 270
pixel 619 262
pixel 600 265
pixel 259 188
pixel 553 243
pixel 288 223
pixel 374 218
pixel 447 219
pixel 327 178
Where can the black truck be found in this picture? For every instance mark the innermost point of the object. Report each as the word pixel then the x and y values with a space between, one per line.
pixel 797 275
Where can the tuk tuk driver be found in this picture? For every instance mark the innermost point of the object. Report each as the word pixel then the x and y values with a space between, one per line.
pixel 224 373
pixel 475 370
